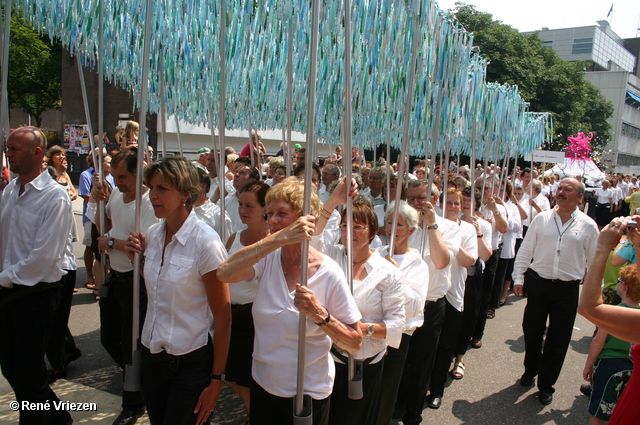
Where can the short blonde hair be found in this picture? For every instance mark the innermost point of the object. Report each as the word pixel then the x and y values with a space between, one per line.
pixel 291 191
pixel 180 172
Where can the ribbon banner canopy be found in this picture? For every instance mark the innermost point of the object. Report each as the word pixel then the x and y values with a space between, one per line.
pixel 449 95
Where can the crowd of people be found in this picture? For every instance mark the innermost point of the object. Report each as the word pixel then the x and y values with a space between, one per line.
pixel 222 289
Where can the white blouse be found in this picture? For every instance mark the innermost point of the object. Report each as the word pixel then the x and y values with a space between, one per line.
pixel 243 292
pixel 415 277
pixel 468 241
pixel 604 196
pixel 276 318
pixel 179 319
pixel 378 297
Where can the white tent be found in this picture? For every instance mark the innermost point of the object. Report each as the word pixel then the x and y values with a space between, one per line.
pixel 573 167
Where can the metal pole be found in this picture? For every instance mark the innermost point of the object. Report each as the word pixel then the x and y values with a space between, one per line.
pixel 302 412
pixel 101 203
pixel 85 101
pixel 163 110
pixel 221 111
pixel 287 149
pixel 132 371
pixel 175 117
pixel 406 120
pixel 4 108
pixel 472 168
pixel 445 182
pixel 251 149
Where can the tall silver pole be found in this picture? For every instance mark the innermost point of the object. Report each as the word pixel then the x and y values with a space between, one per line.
pixel 4 108
pixel 302 412
pixel 101 203
pixel 163 111
pixel 472 168
pixel 287 146
pixel 406 121
pixel 221 111
pixel 177 121
pixel 132 371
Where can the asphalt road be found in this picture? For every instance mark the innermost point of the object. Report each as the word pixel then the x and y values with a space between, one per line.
pixel 489 393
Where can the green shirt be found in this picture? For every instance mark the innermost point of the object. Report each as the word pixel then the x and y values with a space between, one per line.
pixel 615 348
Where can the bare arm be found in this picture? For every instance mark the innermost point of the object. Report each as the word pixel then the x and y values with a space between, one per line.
pixel 346 336
pixel 220 305
pixel 338 197
pixel 623 323
pixel 597 344
pixel 501 219
pixel 239 266
pixel 465 259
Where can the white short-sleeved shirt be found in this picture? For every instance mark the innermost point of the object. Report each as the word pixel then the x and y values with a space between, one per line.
pixel 211 215
pixel 276 321
pixel 123 222
pixel 468 241
pixel 604 196
pixel 439 279
pixel 496 236
pixel 243 292
pixel 415 279
pixel 378 297
pixel 179 319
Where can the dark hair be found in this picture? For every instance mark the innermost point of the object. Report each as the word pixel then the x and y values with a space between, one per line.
pixel 300 168
pixel 364 213
pixel 259 188
pixel 467 192
pixel 131 158
pixel 242 160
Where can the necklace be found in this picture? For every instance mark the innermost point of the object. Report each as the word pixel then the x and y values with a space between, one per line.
pixel 560 235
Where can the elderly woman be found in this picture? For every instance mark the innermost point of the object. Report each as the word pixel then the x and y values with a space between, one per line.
pixel 57 158
pixel 186 331
pixel 378 291
pixel 415 276
pixel 331 312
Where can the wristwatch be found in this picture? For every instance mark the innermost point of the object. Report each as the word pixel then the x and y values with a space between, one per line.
pixel 370 329
pixel 497 213
pixel 110 243
pixel 221 377
pixel 435 226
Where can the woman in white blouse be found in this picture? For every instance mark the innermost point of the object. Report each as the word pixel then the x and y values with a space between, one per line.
pixel 604 204
pixel 331 312
pixel 377 289
pixel 415 277
pixel 186 330
pixel 253 213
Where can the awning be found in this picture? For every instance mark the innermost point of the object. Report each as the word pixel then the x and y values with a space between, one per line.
pixel 633 96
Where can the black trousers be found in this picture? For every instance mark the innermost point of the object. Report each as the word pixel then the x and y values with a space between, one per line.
pixel 557 301
pixel 60 339
pixel 345 411
pixel 25 324
pixel 420 359
pixel 269 409
pixel 472 294
pixel 446 349
pixel 488 279
pixel 504 270
pixel 171 385
pixel 394 363
pixel 116 321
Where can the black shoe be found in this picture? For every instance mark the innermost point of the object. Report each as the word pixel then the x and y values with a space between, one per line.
pixel 526 380
pixel 434 402
pixel 545 398
pixel 586 389
pixel 129 416
pixel 68 358
pixel 53 376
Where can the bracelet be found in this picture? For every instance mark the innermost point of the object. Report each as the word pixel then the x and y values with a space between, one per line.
pixel 480 236
pixel 258 251
pixel 323 211
pixel 325 321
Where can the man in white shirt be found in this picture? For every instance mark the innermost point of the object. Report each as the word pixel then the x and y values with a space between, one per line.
pixel 212 160
pixel 35 222
pixel 551 262
pixel 116 307
pixel 377 182
pixel 441 246
pixel 330 173
pixel 243 175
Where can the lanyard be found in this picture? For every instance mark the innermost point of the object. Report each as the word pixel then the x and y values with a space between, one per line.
pixel 560 235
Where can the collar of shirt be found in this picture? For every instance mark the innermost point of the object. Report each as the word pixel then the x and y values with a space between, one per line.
pixel 182 234
pixel 39 183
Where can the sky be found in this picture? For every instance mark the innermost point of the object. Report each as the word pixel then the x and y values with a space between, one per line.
pixel 554 14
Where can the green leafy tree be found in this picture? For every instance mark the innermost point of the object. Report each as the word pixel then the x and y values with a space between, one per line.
pixel 34 80
pixel 547 82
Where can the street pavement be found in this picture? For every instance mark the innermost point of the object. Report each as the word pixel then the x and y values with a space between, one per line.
pixel 489 393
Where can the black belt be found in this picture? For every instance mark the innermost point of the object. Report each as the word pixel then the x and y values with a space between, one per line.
pixel 121 275
pixel 164 357
pixel 336 352
pixel 18 291
pixel 535 275
pixel 235 308
pixel 604 205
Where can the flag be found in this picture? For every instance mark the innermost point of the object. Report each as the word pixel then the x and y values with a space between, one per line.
pixel 610 10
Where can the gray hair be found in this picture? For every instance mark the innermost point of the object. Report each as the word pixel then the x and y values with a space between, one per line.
pixel 423 182
pixel 276 161
pixel 382 170
pixel 537 185
pixel 405 211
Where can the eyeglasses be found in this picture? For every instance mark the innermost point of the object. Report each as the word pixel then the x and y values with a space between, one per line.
pixel 417 198
pixel 620 280
pixel 453 204
pixel 356 227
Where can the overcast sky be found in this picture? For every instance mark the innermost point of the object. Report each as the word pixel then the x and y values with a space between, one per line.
pixel 554 14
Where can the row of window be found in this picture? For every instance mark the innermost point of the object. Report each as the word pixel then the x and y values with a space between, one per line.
pixel 626 160
pixel 630 131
